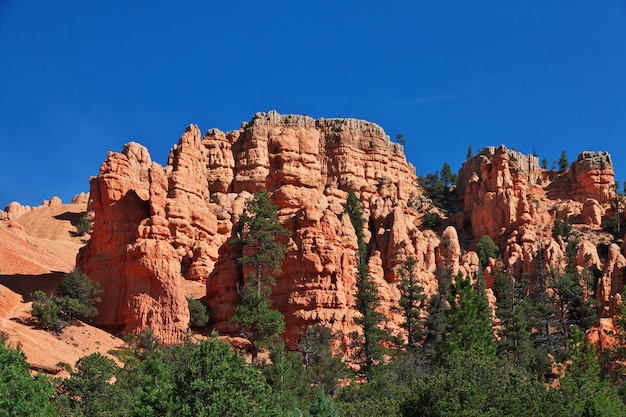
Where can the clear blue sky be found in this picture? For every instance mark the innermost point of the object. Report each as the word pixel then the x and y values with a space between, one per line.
pixel 81 78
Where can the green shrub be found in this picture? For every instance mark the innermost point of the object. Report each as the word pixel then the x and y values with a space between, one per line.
pixel 79 296
pixel 20 393
pixel 610 225
pixel 198 313
pixel 431 220
pixel 83 226
pixel 486 248
pixel 47 312
pixel 77 299
pixel 562 227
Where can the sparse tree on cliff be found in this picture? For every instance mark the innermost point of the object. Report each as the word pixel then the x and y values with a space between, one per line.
pixel 563 162
pixel 614 225
pixel 447 176
pixel 367 342
pixel 262 255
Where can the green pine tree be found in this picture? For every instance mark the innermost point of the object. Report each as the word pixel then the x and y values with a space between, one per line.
pixel 323 368
pixel 447 176
pixel 583 391
pixel 486 249
pixel 563 162
pixel 412 300
pixel 515 344
pixel 437 319
pixel 367 342
pixel 257 233
pixel 469 320
pixel 22 395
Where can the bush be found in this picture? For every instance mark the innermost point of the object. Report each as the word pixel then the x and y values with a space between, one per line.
pixel 77 299
pixel 20 393
pixel 562 227
pixel 610 225
pixel 79 296
pixel 47 312
pixel 198 313
pixel 83 226
pixel 486 248
pixel 431 220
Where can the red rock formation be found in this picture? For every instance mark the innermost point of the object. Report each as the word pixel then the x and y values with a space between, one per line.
pixel 13 210
pixel 592 213
pixel 611 284
pixel 309 166
pixel 129 252
pixel 508 197
pixel 590 176
pixel 154 226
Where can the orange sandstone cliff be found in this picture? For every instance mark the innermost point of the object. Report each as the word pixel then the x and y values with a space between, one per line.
pixel 157 228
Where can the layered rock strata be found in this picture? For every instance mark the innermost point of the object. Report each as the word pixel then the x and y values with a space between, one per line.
pixel 155 226
pixel 508 197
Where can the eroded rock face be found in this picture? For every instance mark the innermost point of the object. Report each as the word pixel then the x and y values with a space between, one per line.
pixel 611 284
pixel 508 197
pixel 13 211
pixel 129 252
pixel 590 176
pixel 155 226
pixel 309 166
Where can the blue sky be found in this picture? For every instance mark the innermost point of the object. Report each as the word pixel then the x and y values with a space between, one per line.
pixel 81 78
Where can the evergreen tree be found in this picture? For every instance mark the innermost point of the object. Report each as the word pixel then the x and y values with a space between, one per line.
pixel 79 296
pixel 470 152
pixel 322 367
pixel 91 391
pixel 77 299
pixel 617 204
pixel 486 249
pixel 290 383
pixel 613 359
pixel 437 319
pixel 197 379
pixel 322 407
pixel 22 395
pixel 469 320
pixel 83 226
pixel 572 294
pixel 447 176
pixel 515 344
pixel 257 233
pixel 583 391
pixel 470 384
pixel 563 162
pixel 367 342
pixel 411 302
pixel 434 188
pixel 542 320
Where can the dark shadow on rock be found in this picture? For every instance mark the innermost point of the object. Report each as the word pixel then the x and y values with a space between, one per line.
pixel 25 285
pixel 73 218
